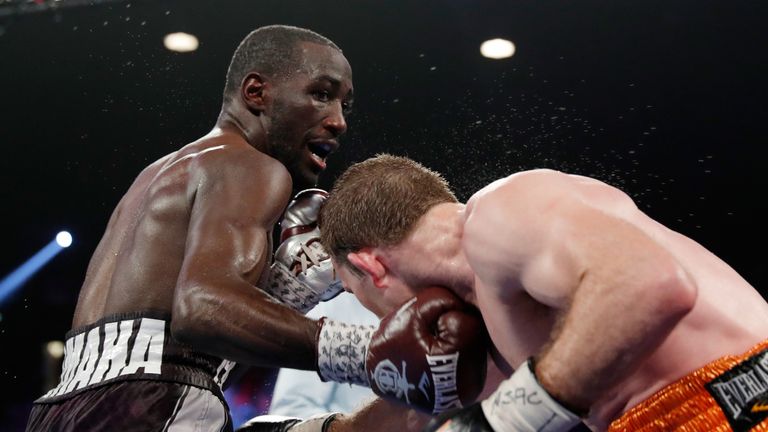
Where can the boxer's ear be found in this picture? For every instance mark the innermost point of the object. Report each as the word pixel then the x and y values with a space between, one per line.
pixel 252 91
pixel 368 261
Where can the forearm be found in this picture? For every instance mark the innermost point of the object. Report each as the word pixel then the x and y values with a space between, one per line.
pixel 608 330
pixel 242 324
pixel 380 415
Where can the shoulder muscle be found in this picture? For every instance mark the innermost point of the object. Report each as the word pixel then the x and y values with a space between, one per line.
pixel 519 230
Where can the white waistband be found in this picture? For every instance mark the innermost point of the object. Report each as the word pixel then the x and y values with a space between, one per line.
pixel 127 347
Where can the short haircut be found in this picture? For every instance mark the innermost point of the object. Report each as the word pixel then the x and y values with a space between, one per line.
pixel 271 50
pixel 378 202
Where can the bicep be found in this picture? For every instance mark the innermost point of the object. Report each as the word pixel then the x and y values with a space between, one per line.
pixel 229 227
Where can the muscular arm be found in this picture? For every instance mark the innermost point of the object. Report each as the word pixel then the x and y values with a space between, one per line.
pixel 217 307
pixel 380 415
pixel 570 244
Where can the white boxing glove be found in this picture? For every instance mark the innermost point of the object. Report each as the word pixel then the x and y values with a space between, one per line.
pixel 302 274
pixel 521 404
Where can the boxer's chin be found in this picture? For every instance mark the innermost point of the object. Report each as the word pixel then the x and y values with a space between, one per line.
pixel 304 178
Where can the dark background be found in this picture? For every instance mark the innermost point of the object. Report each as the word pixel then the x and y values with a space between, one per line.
pixel 665 100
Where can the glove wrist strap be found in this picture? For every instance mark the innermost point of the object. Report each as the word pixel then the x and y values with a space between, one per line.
pixel 520 403
pixel 341 351
pixel 284 286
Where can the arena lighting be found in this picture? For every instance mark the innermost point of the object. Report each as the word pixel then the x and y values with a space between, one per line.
pixel 18 277
pixel 64 239
pixel 180 42
pixel 55 349
pixel 497 49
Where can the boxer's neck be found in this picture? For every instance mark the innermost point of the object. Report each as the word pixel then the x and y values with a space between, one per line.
pixel 432 254
pixel 235 118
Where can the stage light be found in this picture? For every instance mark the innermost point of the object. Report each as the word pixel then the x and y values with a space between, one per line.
pixel 181 42
pixel 55 349
pixel 18 277
pixel 64 239
pixel 497 49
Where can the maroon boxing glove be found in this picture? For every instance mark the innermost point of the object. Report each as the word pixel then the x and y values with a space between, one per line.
pixel 430 354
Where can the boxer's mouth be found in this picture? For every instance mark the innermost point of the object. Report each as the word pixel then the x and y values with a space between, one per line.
pixel 322 148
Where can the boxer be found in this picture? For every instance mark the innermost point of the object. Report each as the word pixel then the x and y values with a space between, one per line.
pixel 608 316
pixel 180 286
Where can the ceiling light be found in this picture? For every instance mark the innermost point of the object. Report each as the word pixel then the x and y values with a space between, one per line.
pixel 497 49
pixel 180 42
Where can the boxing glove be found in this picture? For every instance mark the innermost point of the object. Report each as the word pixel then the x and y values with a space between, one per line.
pixel 274 423
pixel 519 404
pixel 430 354
pixel 302 273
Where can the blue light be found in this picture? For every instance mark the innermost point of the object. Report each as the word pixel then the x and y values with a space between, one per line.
pixel 18 277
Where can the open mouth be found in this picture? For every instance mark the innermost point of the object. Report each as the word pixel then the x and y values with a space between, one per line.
pixel 320 150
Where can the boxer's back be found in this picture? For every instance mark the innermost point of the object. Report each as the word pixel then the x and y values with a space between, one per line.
pixel 728 318
pixel 727 306
pixel 137 261
pixel 729 315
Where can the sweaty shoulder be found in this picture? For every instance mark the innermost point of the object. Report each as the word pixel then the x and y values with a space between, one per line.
pixel 238 176
pixel 236 159
pixel 514 224
pixel 536 191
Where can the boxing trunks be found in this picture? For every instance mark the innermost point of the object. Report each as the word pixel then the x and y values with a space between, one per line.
pixel 730 393
pixel 126 373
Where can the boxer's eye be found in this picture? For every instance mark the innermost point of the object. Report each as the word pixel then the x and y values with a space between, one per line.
pixel 322 95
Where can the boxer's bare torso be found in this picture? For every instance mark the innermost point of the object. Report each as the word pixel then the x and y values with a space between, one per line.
pixel 191 238
pixel 137 264
pixel 523 281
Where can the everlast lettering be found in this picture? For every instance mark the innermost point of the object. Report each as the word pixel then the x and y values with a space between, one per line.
pixel 443 368
pixel 742 392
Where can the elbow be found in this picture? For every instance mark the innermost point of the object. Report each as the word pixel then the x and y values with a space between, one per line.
pixel 676 292
pixel 187 322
